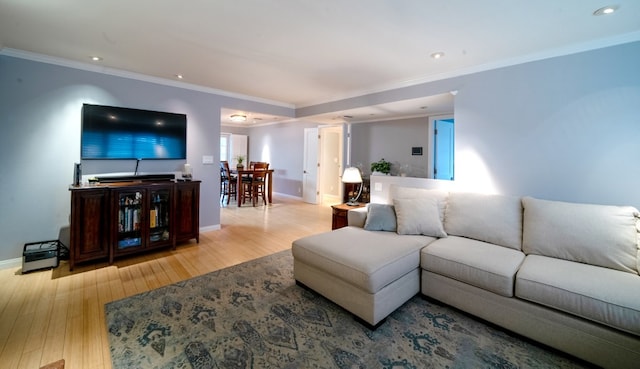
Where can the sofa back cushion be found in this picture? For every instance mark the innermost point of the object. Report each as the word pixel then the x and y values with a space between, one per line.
pixel 600 235
pixel 495 219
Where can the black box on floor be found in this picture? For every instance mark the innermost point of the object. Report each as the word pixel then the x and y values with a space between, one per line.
pixel 40 255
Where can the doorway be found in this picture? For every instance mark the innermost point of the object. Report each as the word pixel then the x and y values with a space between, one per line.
pixel 441 139
pixel 323 165
pixel 331 153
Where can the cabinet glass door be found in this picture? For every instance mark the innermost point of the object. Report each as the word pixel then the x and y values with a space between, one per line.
pixel 159 216
pixel 130 218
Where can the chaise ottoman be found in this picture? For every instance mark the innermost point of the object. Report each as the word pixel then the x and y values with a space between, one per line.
pixel 368 273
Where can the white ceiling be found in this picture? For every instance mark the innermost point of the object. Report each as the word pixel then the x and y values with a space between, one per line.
pixel 404 109
pixel 305 52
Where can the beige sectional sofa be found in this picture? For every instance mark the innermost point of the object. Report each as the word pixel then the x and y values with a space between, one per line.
pixel 563 274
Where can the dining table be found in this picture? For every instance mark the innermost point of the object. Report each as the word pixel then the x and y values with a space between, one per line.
pixel 248 171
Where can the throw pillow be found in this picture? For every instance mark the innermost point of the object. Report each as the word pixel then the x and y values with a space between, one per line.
pixel 398 192
pixel 419 216
pixel 380 217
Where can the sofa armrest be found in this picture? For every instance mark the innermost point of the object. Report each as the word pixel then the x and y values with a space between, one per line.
pixel 357 217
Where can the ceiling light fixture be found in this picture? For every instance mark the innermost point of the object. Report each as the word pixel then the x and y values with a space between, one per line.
pixel 238 118
pixel 96 58
pixel 179 76
pixel 437 55
pixel 610 9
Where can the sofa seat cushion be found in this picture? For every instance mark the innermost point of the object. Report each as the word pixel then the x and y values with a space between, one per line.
pixel 477 263
pixel 604 295
pixel 367 259
pixel 494 219
pixel 601 235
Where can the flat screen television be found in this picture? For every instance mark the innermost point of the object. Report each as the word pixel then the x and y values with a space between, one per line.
pixel 110 132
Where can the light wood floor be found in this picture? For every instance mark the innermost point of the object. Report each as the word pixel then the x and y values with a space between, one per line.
pixel 51 315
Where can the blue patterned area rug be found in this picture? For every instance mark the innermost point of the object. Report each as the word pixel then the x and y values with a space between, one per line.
pixel 253 315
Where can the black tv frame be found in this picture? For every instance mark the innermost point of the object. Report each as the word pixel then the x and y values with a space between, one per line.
pixel 140 123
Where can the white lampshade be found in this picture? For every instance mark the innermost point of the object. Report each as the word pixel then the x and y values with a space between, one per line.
pixel 351 175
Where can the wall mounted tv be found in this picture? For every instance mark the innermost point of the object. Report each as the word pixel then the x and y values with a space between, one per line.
pixel 110 132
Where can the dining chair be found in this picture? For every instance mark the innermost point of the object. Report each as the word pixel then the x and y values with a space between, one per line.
pixel 258 185
pixel 260 165
pixel 245 182
pixel 227 183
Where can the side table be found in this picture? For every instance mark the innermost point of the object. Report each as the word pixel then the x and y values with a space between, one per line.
pixel 340 211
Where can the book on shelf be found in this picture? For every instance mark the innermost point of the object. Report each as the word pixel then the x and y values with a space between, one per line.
pixel 136 219
pixel 153 218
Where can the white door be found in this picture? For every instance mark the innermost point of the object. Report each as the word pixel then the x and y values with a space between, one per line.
pixel 330 158
pixel 310 163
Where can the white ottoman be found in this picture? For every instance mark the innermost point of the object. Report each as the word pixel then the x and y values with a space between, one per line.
pixel 368 273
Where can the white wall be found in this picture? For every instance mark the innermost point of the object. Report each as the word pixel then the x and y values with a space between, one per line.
pixel 391 140
pixel 40 142
pixel 281 145
pixel 566 128
pixel 381 186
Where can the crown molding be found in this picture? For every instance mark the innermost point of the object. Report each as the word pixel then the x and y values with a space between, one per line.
pixel 253 125
pixel 547 54
pixel 135 76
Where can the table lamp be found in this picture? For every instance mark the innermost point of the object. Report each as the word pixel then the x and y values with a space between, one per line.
pixel 352 175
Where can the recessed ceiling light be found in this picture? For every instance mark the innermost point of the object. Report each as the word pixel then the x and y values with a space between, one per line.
pixel 179 76
pixel 96 58
pixel 610 9
pixel 437 55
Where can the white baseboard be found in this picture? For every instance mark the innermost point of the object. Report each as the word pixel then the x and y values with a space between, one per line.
pixel 10 263
pixel 214 227
pixel 17 262
pixel 289 196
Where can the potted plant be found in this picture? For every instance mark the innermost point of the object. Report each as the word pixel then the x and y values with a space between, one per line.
pixel 381 166
pixel 240 160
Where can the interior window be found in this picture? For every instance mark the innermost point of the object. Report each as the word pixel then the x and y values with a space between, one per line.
pixel 224 146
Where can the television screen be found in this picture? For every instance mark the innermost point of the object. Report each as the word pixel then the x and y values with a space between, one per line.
pixel 110 132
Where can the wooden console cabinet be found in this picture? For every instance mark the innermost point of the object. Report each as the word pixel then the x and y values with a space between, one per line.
pixel 187 211
pixel 89 219
pixel 117 219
